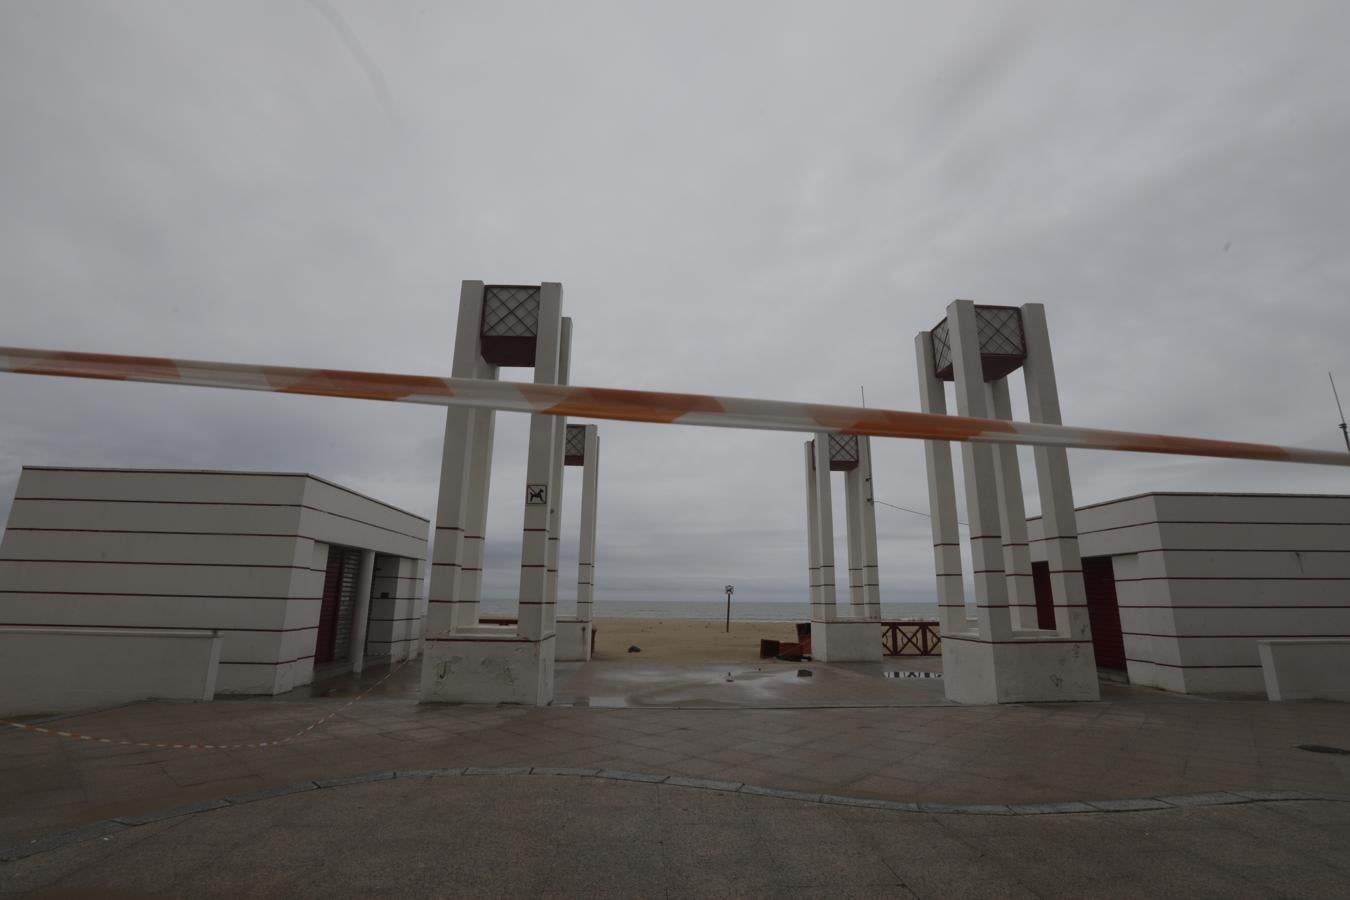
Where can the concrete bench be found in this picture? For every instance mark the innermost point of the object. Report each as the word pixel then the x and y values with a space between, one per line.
pixel 1306 668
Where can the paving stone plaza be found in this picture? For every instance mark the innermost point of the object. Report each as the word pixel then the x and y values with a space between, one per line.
pixel 1143 793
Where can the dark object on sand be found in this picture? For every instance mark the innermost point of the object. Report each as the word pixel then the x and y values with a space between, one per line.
pixel 634 648
pixel 805 673
pixel 804 637
pixel 769 649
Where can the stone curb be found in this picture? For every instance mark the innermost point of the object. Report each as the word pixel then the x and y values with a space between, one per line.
pixel 1074 807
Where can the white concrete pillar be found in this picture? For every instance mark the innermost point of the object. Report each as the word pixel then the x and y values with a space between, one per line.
pixel 1056 491
pixel 1012 515
pixel 812 535
pixel 828 605
pixel 941 497
pixel 539 474
pixel 590 478
pixel 871 571
pixel 482 424
pixel 986 543
pixel 419 607
pixel 365 574
pixel 556 495
pixel 457 474
pixel 854 505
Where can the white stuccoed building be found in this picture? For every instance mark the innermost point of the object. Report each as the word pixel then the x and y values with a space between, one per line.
pixel 1182 588
pixel 117 584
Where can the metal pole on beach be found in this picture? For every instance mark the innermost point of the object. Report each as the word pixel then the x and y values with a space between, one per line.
pixel 731 589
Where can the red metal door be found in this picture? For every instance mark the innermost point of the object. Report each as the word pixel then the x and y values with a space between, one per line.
pixel 1099 579
pixel 328 611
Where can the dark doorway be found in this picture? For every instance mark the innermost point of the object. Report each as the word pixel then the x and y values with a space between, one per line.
pixel 333 640
pixel 1045 604
pixel 1099 582
pixel 1099 579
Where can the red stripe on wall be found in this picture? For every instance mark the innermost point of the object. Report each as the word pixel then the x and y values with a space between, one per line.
pixel 157 627
pixel 1221 637
pixel 244 662
pixel 145 594
pixel 1150 662
pixel 326 512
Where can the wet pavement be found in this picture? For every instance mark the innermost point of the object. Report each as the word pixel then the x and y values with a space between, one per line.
pixel 769 684
pixel 767 728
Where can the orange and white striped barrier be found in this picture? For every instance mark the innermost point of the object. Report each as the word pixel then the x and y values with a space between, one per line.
pixel 633 406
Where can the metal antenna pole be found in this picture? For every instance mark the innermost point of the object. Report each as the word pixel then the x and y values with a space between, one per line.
pixel 1345 432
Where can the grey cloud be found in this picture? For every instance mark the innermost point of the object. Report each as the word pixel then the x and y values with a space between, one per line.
pixel 763 200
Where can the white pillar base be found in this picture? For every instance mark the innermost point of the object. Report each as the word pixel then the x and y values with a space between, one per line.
pixel 488 664
pixel 574 640
pixel 856 641
pixel 1043 668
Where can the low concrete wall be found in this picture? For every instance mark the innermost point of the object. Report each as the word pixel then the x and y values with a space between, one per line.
pixel 53 670
pixel 574 640
pixel 1307 669
pixel 846 641
pixel 488 665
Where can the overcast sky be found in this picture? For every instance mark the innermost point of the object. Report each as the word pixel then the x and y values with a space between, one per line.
pixel 757 199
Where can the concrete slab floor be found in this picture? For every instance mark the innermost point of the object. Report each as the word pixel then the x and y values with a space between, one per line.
pixel 1133 744
pixel 564 836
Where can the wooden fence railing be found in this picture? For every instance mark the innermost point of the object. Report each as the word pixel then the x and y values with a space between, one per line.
pixel 911 637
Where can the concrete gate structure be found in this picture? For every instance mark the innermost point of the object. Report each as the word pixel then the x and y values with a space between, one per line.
pixel 582 449
pixel 466 660
pixel 857 636
pixel 1001 656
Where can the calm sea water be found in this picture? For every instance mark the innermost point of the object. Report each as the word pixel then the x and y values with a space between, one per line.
pixel 746 611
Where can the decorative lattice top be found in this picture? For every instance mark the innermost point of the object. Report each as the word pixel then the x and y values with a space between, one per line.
pixel 1002 344
pixel 843 452
pixel 510 311
pixel 574 451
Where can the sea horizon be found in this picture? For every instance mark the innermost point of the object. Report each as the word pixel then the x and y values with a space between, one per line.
pixel 741 611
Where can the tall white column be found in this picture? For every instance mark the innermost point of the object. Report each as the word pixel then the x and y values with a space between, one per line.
pixel 941 496
pixel 1012 514
pixel 986 550
pixel 590 477
pixel 365 574
pixel 812 535
pixel 871 572
pixel 555 500
pixel 532 617
pixel 483 424
pixel 854 506
pixel 457 474
pixel 1052 477
pixel 828 606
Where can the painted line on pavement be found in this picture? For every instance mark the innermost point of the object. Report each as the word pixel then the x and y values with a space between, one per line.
pixel 154 745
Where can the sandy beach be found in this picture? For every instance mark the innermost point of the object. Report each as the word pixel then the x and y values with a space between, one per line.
pixel 685 640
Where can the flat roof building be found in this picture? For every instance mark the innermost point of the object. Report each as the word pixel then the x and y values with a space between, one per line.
pixel 289 570
pixel 1181 587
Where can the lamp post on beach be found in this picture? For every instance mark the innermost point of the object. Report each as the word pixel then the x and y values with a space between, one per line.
pixel 731 589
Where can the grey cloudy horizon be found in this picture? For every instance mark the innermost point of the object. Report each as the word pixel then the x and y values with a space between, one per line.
pixel 756 199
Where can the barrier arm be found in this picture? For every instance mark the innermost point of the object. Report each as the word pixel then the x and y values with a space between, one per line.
pixel 632 406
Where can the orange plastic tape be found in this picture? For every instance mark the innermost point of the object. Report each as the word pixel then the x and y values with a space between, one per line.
pixel 633 406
